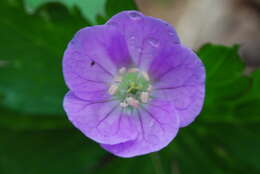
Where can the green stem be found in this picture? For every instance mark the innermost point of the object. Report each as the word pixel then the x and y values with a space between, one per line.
pixel 157 163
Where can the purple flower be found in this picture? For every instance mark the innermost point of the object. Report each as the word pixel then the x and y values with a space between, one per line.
pixel 132 84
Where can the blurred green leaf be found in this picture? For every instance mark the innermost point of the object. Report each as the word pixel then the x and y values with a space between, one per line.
pixel 18 121
pixel 90 9
pixel 225 82
pixel 52 152
pixel 223 64
pixel 239 142
pixel 222 148
pixel 114 6
pixel 248 106
pixel 223 71
pixel 142 164
pixel 32 49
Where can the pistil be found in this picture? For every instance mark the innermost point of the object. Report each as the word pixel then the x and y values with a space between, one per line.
pixel 132 87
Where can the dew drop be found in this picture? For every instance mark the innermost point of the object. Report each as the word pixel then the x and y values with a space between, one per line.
pixel 134 15
pixel 115 24
pixel 131 38
pixel 153 42
pixel 151 124
pixel 139 50
pixel 171 33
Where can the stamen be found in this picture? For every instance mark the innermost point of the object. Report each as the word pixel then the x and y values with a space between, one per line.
pixel 144 97
pixel 131 86
pixel 132 102
pixel 117 78
pixel 123 104
pixel 122 70
pixel 149 89
pixel 132 70
pixel 112 90
pixel 146 76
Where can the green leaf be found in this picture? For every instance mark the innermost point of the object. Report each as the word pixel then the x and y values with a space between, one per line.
pixel 31 54
pixel 247 108
pixel 17 121
pixel 213 148
pixel 90 9
pixel 223 64
pixel 225 82
pixel 223 71
pixel 52 152
pixel 238 142
pixel 114 6
pixel 142 164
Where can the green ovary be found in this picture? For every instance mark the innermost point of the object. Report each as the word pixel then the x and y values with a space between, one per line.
pixel 132 84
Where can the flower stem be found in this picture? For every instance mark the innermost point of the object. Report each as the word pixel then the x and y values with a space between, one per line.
pixel 157 163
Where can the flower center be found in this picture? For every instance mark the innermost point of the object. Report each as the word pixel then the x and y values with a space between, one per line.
pixel 132 87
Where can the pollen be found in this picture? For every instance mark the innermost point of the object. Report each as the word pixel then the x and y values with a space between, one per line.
pixel 144 97
pixel 122 70
pixel 132 70
pixel 112 90
pixel 149 89
pixel 124 104
pixel 132 102
pixel 146 76
pixel 117 78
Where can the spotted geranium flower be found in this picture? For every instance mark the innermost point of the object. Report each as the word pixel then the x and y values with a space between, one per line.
pixel 132 84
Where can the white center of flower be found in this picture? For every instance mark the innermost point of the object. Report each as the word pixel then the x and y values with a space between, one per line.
pixel 132 87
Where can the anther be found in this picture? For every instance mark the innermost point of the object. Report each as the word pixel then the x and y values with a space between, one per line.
pixel 144 96
pixel 122 70
pixel 149 89
pixel 123 104
pixel 112 90
pixel 146 76
pixel 132 102
pixel 117 78
pixel 132 70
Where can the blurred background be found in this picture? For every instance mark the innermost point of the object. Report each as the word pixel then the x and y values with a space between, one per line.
pixel 35 135
pixel 219 21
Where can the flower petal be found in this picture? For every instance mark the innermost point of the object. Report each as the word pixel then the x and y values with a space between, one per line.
pixel 158 125
pixel 145 35
pixel 103 121
pixel 180 77
pixel 92 58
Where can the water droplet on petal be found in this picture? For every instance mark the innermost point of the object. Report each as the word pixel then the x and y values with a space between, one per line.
pixel 132 38
pixel 171 33
pixel 151 124
pixel 139 50
pixel 115 24
pixel 134 15
pixel 154 42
